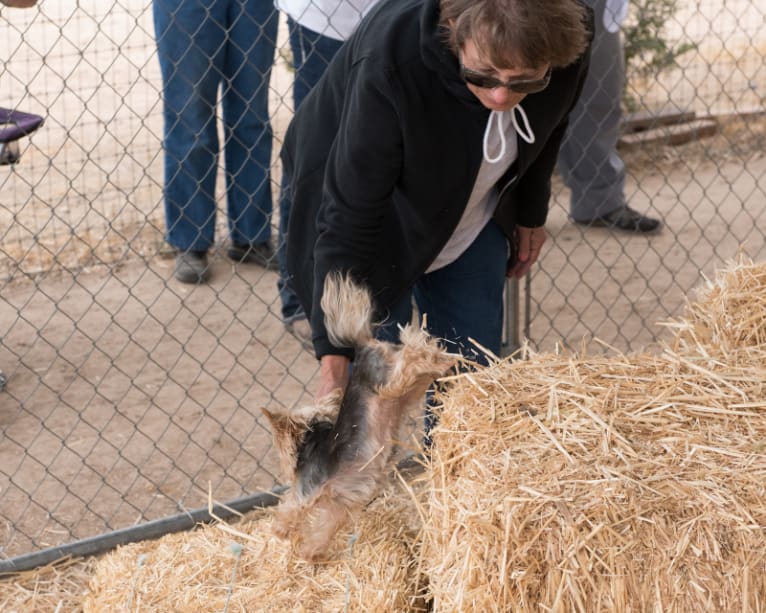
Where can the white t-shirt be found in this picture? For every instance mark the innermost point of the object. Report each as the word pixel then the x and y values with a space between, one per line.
pixel 483 200
pixel 333 18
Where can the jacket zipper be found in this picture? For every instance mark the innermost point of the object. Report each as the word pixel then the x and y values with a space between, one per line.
pixel 505 187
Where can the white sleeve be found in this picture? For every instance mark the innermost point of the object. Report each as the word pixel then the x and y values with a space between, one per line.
pixel 614 14
pixel 333 18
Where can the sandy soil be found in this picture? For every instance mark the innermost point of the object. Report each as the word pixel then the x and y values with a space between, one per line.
pixel 592 282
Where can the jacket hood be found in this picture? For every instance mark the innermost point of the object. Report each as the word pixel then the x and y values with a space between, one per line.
pixel 438 57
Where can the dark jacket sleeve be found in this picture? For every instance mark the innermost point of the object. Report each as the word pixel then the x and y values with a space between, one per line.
pixel 361 173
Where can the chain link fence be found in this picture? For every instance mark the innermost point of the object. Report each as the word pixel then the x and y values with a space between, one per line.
pixel 131 396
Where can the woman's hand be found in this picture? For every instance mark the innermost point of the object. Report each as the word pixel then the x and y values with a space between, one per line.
pixel 333 374
pixel 529 242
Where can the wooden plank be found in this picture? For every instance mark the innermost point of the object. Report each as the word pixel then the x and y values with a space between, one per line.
pixel 648 120
pixel 669 135
pixel 749 112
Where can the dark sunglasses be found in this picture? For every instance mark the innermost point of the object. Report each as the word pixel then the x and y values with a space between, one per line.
pixel 518 86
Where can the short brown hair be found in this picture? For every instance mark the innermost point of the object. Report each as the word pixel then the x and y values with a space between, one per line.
pixel 518 33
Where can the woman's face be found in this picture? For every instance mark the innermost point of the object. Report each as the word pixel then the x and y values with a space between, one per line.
pixel 500 97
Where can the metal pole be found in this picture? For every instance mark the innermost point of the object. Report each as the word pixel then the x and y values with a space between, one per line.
pixel 527 304
pixel 511 324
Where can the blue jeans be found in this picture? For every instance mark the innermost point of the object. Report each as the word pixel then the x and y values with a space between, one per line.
pixel 462 300
pixel 312 53
pixel 203 45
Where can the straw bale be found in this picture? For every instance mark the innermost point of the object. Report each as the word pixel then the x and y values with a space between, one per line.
pixel 54 588
pixel 199 570
pixel 729 313
pixel 612 483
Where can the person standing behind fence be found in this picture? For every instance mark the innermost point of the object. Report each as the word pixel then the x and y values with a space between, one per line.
pixel 204 46
pixel 588 161
pixel 317 29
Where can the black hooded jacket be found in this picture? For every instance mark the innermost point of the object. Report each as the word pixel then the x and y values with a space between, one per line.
pixel 383 154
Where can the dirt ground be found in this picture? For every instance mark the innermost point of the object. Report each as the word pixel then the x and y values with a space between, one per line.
pixel 710 195
pixel 128 393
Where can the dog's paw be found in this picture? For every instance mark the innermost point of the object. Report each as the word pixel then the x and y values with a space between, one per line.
pixel 281 527
pixel 313 553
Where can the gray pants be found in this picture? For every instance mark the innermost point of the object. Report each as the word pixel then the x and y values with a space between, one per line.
pixel 588 160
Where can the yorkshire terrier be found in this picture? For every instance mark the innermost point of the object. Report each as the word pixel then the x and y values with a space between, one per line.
pixel 336 454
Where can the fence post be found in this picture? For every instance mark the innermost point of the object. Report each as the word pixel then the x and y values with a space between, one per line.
pixel 511 339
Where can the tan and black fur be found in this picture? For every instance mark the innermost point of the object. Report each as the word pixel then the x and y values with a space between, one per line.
pixel 336 454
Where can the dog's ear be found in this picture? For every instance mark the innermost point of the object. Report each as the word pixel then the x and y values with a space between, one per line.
pixel 287 435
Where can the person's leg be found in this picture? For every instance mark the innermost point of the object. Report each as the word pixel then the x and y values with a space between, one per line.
pixel 589 163
pixel 292 310
pixel 312 53
pixel 249 53
pixel 189 38
pixel 464 300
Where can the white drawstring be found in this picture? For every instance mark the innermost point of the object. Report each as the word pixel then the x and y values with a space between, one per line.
pixel 527 135
pixel 501 132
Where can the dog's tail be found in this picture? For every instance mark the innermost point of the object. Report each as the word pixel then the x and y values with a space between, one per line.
pixel 347 310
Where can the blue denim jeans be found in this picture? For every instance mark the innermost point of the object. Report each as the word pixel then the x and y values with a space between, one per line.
pixel 462 300
pixel 312 53
pixel 204 46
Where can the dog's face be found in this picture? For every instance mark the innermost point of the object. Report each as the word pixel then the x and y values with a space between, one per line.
pixel 289 429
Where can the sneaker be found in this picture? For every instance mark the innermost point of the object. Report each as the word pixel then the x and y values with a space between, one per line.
pixel 262 254
pixel 624 218
pixel 191 267
pixel 301 329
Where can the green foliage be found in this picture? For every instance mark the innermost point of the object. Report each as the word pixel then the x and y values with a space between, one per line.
pixel 647 49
